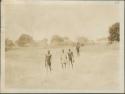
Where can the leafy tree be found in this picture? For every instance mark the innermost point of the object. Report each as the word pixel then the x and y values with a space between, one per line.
pixel 82 40
pixel 24 40
pixel 114 33
pixel 57 40
pixel 9 44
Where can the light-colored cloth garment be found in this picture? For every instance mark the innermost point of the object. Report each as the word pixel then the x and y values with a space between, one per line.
pixel 64 58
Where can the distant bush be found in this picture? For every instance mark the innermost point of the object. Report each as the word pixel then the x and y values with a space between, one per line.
pixel 82 40
pixel 9 44
pixel 114 33
pixel 56 40
pixel 44 43
pixel 24 40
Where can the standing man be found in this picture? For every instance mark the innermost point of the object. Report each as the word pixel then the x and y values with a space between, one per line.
pixel 71 57
pixel 78 48
pixel 63 59
pixel 48 60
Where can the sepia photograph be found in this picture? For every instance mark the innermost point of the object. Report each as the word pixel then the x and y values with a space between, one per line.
pixel 62 46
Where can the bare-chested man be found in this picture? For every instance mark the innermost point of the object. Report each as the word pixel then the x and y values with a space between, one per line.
pixel 48 61
pixel 71 57
pixel 78 48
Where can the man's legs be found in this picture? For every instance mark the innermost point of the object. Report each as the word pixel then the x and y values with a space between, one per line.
pixel 71 62
pixel 50 67
pixel 49 64
pixel 65 65
pixel 62 65
pixel 47 67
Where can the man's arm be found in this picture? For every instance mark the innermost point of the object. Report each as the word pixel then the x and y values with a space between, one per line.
pixel 45 60
pixel 72 54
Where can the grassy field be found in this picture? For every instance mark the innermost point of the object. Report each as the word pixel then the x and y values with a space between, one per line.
pixel 97 68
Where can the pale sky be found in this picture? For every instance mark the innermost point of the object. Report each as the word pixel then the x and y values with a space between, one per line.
pixel 43 20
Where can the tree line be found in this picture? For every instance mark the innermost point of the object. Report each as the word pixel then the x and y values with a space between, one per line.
pixel 26 40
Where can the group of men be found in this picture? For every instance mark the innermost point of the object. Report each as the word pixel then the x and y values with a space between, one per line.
pixel 65 58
